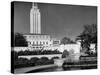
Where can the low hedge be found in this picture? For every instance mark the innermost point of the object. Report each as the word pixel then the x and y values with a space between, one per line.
pixel 22 62
pixel 38 52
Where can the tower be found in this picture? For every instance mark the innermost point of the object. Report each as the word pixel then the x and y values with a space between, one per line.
pixel 35 19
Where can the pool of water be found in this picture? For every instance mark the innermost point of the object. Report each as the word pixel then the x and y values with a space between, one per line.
pixel 53 69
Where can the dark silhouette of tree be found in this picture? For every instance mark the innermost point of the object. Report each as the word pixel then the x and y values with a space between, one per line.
pixel 89 35
pixel 66 40
pixel 65 54
pixel 90 32
pixel 20 41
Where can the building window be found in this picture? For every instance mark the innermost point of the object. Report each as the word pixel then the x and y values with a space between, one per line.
pixel 29 36
pixel 36 47
pixel 47 43
pixel 29 42
pixel 43 42
pixel 37 42
pixel 40 43
pixel 33 42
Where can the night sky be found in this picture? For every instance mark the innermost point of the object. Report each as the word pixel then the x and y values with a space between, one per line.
pixel 57 20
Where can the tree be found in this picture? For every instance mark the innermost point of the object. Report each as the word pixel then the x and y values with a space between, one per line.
pixel 20 40
pixel 33 61
pixel 65 54
pixel 91 32
pixel 66 40
pixel 89 35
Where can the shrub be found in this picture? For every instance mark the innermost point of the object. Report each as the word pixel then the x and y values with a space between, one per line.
pixel 51 61
pixel 44 58
pixel 39 62
pixel 21 62
pixel 32 61
pixel 54 58
pixel 38 52
pixel 44 61
pixel 65 54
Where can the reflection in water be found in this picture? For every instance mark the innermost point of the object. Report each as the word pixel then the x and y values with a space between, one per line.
pixel 52 69
pixel 59 69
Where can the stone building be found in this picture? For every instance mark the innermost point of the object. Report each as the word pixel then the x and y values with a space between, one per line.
pixel 36 40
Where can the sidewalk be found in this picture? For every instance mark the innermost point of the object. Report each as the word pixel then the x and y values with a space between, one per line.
pixel 24 70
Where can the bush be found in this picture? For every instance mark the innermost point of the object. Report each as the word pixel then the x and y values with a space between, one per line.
pixel 39 62
pixel 21 62
pixel 42 61
pixel 32 61
pixel 38 52
pixel 65 54
pixel 44 58
pixel 54 58
pixel 51 62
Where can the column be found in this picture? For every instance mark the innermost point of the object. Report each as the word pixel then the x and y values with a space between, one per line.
pixel 36 23
pixel 39 24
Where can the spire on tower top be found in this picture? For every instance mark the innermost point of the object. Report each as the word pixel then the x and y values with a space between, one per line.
pixel 35 19
pixel 34 5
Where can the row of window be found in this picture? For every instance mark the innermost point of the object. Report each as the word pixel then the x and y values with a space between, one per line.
pixel 39 37
pixel 38 43
pixel 37 47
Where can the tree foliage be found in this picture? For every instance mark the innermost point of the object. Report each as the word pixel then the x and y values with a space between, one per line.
pixel 89 35
pixel 20 40
pixel 38 52
pixel 66 40
pixel 65 54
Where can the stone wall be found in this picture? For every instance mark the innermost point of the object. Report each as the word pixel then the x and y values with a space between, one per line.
pixel 61 48
pixel 39 56
pixel 17 49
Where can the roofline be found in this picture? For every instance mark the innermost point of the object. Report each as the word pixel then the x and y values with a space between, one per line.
pixel 33 34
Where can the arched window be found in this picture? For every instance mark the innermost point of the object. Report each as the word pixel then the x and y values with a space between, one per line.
pixel 29 42
pixel 43 42
pixel 37 42
pixel 33 42
pixel 40 43
pixel 47 43
pixel 29 36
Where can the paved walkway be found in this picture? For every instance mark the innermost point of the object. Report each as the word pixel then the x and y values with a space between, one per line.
pixel 27 69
